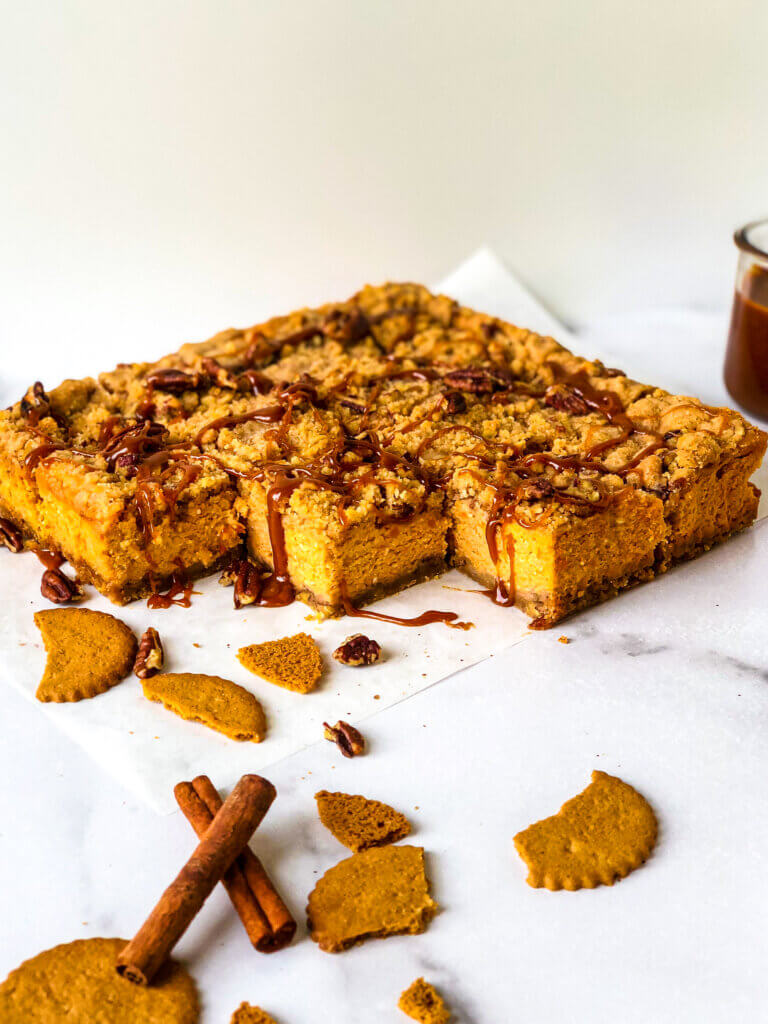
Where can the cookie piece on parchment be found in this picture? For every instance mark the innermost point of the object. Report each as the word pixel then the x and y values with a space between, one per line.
pixel 293 662
pixel 360 823
pixel 596 837
pixel 77 983
pixel 423 1003
pixel 380 892
pixel 218 703
pixel 247 1014
pixel 88 652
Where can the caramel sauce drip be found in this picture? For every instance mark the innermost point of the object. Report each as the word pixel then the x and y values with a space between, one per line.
pixel 50 559
pixel 425 619
pixel 179 593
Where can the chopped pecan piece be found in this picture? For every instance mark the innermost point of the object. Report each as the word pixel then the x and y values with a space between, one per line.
pixel 220 375
pixel 455 402
pixel 565 399
pixel 36 406
pixel 535 489
pixel 60 589
pixel 346 326
pixel 346 737
pixel 358 650
pixel 347 403
pixel 10 536
pixel 127 447
pixel 174 381
pixel 149 657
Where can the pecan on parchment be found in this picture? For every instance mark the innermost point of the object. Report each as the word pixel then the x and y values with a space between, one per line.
pixel 358 650
pixel 346 737
pixel 149 657
pixel 10 536
pixel 60 589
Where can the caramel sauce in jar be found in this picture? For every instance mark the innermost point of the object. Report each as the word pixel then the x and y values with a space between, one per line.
pixel 746 361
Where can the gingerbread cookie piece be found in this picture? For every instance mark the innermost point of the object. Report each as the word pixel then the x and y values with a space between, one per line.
pixel 423 1003
pixel 293 662
pixel 596 837
pixel 380 892
pixel 218 703
pixel 88 652
pixel 77 983
pixel 247 1014
pixel 360 823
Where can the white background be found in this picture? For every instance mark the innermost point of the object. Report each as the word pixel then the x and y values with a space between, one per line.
pixel 169 168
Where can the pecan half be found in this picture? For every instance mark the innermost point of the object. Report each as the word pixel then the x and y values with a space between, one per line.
pixel 346 737
pixel 60 589
pixel 477 381
pixel 174 381
pixel 358 650
pixel 247 581
pixel 10 537
pixel 149 657
pixel 564 399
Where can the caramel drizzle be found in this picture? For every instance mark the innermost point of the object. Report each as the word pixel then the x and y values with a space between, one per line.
pixel 179 593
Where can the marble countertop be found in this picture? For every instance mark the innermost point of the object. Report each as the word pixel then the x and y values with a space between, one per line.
pixel 666 686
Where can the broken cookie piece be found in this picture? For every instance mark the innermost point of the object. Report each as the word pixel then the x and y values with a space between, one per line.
pixel 598 836
pixel 88 652
pixel 293 662
pixel 422 1002
pixel 360 823
pixel 247 1014
pixel 218 703
pixel 380 892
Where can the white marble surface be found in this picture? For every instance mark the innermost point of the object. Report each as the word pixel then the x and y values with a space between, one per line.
pixel 666 686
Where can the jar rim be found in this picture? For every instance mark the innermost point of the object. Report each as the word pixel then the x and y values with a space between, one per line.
pixel 745 243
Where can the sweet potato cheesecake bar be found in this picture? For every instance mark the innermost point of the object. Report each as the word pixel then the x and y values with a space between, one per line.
pixel 369 444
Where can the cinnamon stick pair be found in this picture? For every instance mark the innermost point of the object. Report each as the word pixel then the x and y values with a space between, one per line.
pixel 224 830
pixel 266 919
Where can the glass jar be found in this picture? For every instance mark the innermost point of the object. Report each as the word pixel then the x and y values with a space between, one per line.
pixel 746 360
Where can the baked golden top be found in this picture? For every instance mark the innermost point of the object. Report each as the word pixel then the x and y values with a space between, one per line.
pixel 378 405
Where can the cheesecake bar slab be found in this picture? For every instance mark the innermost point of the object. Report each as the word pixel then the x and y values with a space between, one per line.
pixel 356 448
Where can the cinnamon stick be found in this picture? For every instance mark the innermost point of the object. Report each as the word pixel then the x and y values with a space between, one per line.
pixel 266 919
pixel 226 837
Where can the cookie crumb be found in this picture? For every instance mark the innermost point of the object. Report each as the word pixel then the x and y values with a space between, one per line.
pixel 422 1002
pixel 247 1014
pixel 563 639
